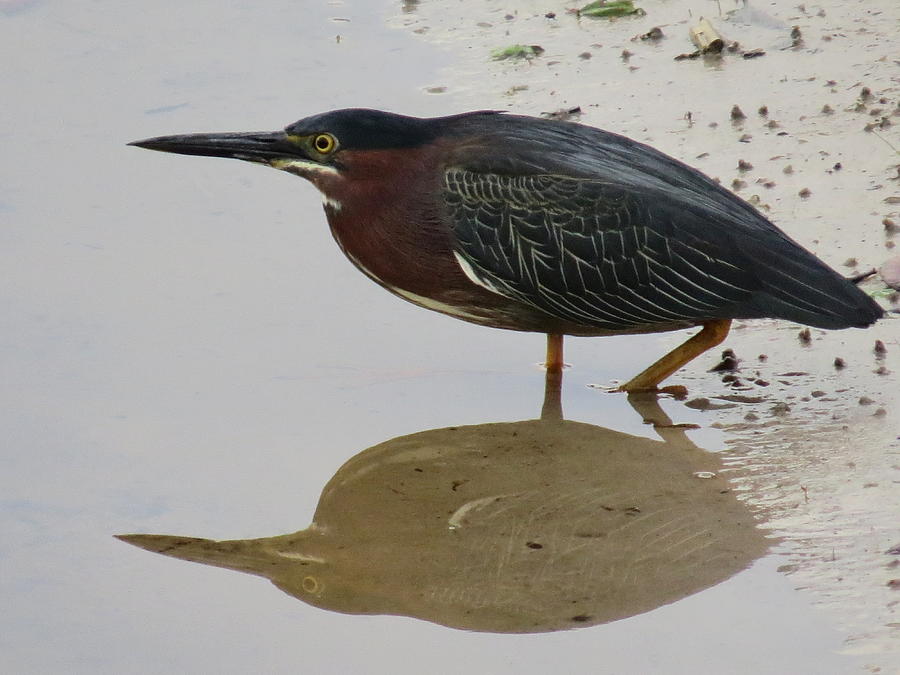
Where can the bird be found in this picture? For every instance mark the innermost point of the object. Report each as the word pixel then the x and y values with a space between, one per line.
pixel 531 224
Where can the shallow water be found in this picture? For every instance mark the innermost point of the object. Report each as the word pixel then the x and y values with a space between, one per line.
pixel 186 351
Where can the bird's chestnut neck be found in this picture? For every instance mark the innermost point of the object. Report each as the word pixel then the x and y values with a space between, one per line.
pixel 368 181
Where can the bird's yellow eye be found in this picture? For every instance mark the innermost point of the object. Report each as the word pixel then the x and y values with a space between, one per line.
pixel 324 144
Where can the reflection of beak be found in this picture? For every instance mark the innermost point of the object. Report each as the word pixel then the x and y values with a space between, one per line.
pixel 253 146
pixel 251 556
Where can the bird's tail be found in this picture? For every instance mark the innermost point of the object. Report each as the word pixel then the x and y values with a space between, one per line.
pixel 797 286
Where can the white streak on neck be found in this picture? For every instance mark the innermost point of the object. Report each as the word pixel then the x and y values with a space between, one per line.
pixel 308 170
pixel 302 166
pixel 330 203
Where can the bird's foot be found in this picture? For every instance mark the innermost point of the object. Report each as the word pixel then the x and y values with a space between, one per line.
pixel 676 391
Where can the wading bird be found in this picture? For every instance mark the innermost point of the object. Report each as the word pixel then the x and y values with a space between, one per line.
pixel 536 225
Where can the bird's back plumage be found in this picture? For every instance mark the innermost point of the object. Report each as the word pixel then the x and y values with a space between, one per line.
pixel 598 229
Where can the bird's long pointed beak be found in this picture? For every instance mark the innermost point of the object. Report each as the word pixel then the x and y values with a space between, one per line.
pixel 253 146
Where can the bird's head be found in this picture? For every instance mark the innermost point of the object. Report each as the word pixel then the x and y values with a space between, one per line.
pixel 332 150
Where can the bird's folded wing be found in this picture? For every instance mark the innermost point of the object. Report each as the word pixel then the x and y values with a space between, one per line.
pixel 587 251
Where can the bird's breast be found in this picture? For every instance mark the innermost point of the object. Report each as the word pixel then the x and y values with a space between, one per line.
pixel 386 213
pixel 404 246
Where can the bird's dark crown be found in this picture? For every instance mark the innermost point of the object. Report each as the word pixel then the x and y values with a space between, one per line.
pixel 366 129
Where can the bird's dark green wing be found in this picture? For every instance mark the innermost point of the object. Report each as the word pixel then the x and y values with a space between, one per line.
pixel 588 252
pixel 602 230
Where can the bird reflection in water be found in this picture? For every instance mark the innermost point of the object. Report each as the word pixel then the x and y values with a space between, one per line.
pixel 532 526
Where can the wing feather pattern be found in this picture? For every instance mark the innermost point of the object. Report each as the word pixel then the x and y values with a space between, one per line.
pixel 586 251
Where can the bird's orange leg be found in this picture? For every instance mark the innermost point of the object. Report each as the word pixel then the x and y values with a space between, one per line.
pixel 712 334
pixel 554 362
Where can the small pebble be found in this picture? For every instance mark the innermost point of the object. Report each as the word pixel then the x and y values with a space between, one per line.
pixel 890 272
pixel 865 400
pixel 780 409
pixel 788 169
pixel 839 363
pixel 698 403
pixel 805 193
pixel 563 114
pixel 737 113
pixel 763 110
pixel 879 349
pixel 827 109
pixel 805 336
pixel 883 123
pixel 729 362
